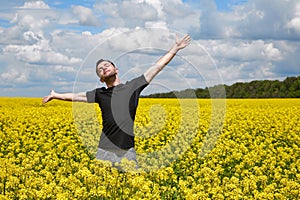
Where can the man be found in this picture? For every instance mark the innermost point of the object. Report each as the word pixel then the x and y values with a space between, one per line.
pixel 118 103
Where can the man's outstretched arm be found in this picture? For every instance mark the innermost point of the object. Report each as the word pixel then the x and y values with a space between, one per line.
pixel 164 60
pixel 79 97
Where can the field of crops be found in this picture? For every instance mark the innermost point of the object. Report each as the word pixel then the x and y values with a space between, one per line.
pixel 47 151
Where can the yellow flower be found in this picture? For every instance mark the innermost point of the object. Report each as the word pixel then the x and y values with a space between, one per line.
pixel 48 151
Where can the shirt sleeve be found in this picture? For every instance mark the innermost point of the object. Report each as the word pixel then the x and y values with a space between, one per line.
pixel 91 96
pixel 140 83
pixel 143 80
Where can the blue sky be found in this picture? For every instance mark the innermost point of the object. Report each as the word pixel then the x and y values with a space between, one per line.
pixel 53 44
pixel 229 4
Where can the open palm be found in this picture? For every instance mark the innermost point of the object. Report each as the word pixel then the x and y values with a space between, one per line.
pixel 48 97
pixel 183 42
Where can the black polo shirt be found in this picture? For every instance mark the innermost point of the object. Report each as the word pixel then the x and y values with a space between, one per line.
pixel 118 106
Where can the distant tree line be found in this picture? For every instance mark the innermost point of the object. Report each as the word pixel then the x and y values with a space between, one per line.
pixel 288 88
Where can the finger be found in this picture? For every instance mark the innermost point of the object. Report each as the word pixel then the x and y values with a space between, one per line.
pixel 187 38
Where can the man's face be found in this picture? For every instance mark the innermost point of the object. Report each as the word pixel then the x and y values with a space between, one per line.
pixel 106 70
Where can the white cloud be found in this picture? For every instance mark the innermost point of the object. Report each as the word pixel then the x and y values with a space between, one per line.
pixel 31 22
pixel 38 51
pixel 157 24
pixel 86 33
pixel 239 60
pixel 85 15
pixel 32 37
pixel 35 5
pixel 23 22
pixel 262 72
pixel 61 68
pixel 150 13
pixel 271 53
pixel 294 23
pixel 243 51
pixel 13 76
pixel 137 11
pixel 129 13
pixel 157 5
pixel 255 19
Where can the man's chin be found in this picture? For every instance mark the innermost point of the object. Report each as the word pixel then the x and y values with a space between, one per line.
pixel 108 77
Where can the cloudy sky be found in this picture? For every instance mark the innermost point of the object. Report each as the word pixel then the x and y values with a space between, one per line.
pixel 54 44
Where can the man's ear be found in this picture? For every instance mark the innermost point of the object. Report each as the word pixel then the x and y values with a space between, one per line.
pixel 101 80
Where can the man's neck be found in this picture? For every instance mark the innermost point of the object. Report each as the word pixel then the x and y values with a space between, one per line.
pixel 113 81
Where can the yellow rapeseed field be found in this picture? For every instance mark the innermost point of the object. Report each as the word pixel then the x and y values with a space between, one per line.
pixel 47 151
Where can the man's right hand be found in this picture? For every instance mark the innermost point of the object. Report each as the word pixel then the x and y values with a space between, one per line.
pixel 48 97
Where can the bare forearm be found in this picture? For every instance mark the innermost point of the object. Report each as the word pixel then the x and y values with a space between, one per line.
pixel 81 96
pixel 164 60
pixel 71 96
pixel 160 64
pixel 64 96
